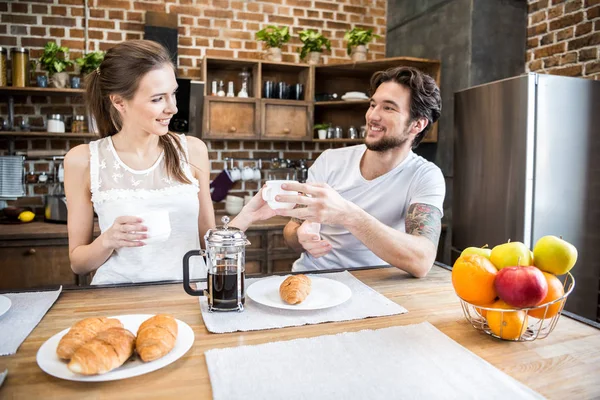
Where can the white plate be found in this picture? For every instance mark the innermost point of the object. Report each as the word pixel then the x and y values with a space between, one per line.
pixel 5 304
pixel 52 365
pixel 325 293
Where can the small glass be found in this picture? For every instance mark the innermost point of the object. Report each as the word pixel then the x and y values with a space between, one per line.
pixel 42 81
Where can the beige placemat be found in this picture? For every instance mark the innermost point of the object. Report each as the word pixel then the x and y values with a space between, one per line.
pixel 403 362
pixel 364 303
pixel 26 311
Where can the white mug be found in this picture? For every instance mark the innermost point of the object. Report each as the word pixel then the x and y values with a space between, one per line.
pixel 247 174
pixel 272 190
pixel 158 224
pixel 235 173
pixel 256 174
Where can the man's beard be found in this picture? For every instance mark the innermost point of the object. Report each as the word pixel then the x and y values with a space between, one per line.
pixel 388 143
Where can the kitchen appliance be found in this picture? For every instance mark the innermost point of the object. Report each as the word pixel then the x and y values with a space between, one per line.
pixel 55 202
pixel 526 166
pixel 225 257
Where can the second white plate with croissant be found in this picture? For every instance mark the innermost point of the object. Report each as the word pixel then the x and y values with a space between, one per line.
pixel 324 293
pixel 52 365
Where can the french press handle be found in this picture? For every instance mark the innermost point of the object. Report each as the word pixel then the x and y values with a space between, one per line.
pixel 186 272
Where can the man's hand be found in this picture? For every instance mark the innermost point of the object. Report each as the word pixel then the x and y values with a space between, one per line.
pixel 311 240
pixel 321 204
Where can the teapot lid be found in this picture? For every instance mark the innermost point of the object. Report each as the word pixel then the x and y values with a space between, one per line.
pixel 226 235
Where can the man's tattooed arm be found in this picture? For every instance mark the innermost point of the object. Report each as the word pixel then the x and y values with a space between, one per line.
pixel 424 220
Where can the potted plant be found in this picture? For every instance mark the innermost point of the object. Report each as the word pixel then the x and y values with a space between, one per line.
pixel 274 37
pixel 90 62
pixel 322 130
pixel 313 43
pixel 358 39
pixel 55 60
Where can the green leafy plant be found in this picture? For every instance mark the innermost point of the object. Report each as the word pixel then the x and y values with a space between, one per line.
pixel 318 127
pixel 313 41
pixel 90 61
pixel 55 58
pixel 359 37
pixel 273 36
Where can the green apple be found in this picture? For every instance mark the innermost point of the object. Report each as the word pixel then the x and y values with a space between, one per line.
pixel 480 251
pixel 554 255
pixel 510 254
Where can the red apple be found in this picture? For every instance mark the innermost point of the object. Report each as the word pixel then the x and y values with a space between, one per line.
pixel 521 286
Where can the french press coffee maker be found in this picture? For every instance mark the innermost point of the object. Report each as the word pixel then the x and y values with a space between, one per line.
pixel 225 257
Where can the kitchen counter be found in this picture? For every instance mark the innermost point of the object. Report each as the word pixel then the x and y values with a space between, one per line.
pixel 564 365
pixel 46 230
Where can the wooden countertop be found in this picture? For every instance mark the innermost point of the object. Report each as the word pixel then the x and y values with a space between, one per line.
pixel 561 366
pixel 46 230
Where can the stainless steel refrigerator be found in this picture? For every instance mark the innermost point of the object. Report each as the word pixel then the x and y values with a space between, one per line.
pixel 526 165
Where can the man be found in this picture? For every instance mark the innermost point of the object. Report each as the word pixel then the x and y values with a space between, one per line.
pixel 377 203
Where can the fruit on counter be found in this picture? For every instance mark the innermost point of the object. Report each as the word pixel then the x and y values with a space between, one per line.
pixel 555 255
pixel 521 286
pixel 506 324
pixel 510 254
pixel 473 279
pixel 555 291
pixel 481 251
pixel 26 216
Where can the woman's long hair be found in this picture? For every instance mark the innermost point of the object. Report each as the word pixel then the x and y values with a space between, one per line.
pixel 120 73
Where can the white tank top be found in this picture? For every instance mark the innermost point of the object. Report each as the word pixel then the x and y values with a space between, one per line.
pixel 118 190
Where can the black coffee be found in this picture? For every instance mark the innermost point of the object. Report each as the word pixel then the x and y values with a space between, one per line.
pixel 223 289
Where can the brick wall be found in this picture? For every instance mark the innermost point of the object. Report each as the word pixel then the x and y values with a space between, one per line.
pixel 563 37
pixel 223 28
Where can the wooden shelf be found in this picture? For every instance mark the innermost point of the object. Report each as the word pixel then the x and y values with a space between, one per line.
pixel 287 102
pixel 50 135
pixel 357 141
pixel 38 91
pixel 232 99
pixel 338 103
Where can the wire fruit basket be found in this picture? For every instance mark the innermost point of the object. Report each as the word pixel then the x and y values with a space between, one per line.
pixel 518 325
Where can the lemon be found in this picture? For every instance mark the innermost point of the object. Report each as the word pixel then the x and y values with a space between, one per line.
pixel 26 216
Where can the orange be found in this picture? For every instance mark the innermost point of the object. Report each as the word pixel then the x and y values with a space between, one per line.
pixel 473 279
pixel 555 291
pixel 506 324
pixel 482 311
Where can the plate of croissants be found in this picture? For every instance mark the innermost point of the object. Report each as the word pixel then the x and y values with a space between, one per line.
pixel 101 349
pixel 299 292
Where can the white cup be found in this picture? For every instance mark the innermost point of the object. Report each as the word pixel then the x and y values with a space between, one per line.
pixel 322 133
pixel 272 190
pixel 247 174
pixel 256 174
pixel 234 200
pixel 235 173
pixel 158 224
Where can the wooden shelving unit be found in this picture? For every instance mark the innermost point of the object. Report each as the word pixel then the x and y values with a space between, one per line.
pixel 37 91
pixel 356 141
pixel 50 135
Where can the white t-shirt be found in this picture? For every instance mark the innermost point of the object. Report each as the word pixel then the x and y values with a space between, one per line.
pixel 387 198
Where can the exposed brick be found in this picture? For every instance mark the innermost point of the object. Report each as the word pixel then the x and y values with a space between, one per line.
pixel 312 14
pixel 355 10
pixel 19 19
pixel 131 26
pixel 56 32
pixel 204 32
pixel 185 41
pixel 588 54
pixel 593 12
pixel 589 3
pixel 583 29
pixel 18 30
pixel 59 11
pixel 72 2
pixel 116 14
pixel 547 39
pixel 220 3
pixel 568 58
pixel 533 43
pixel 277 19
pixel 209 13
pixel 186 10
pixel 221 23
pixel 134 16
pixel 535 65
pixel 585 41
pixel 338 25
pixel 327 6
pixel 567 20
pixel 122 4
pixel 101 24
pixel 117 36
pixel 236 25
pixel 565 34
pixel 549 50
pixel 557 11
pixel 592 68
pixel 144 6
pixel 189 52
pixel 185 62
pixel 537 29
pixel 574 70
pixel 72 44
pixel 19 8
pixel 95 13
pixel 60 21
pixel 251 16
pixel 250 45
pixel 573 5
pixel 33 42
pixel 39 9
pixel 133 36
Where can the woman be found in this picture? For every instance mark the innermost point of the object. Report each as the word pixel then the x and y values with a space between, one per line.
pixel 139 168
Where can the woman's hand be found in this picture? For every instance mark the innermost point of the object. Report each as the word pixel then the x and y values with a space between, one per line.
pixel 126 231
pixel 256 210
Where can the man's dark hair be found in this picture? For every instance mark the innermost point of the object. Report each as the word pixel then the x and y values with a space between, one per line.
pixel 425 98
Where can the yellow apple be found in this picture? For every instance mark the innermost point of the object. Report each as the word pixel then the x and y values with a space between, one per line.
pixel 554 255
pixel 511 254
pixel 480 251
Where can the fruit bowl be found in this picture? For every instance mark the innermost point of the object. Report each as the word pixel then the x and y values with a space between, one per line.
pixel 518 325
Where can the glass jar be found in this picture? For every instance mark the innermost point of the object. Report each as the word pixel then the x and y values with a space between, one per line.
pixel 56 123
pixel 79 125
pixel 246 77
pixel 3 73
pixel 20 66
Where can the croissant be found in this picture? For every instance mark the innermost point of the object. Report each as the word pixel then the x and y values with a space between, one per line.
pixel 107 351
pixel 82 332
pixel 156 337
pixel 295 288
